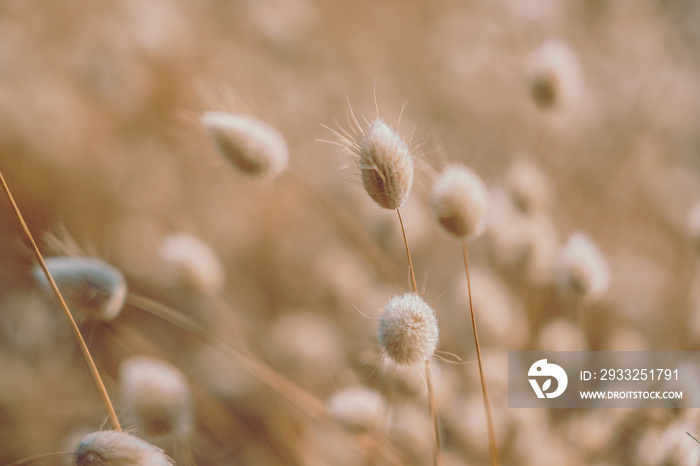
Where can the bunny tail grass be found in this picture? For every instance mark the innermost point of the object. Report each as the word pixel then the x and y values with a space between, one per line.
pixel 76 331
pixel 493 446
pixel 284 387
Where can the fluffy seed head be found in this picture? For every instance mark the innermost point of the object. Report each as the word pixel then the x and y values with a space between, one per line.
pixel 408 330
pixel 193 263
pixel 386 165
pixel 156 396
pixel 555 76
pixel 582 268
pixel 357 408
pixel 90 286
pixel 459 201
pixel 254 147
pixel 110 447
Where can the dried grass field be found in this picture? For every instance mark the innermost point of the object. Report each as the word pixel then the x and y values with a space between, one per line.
pixel 237 309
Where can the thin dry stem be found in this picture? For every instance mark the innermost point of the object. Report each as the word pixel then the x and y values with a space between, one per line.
pixel 408 253
pixel 493 446
pixel 76 331
pixel 437 457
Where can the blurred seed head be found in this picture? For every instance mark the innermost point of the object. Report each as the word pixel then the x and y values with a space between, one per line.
pixel 408 329
pixel 528 187
pixel 91 287
pixel 506 231
pixel 554 76
pixel 156 395
pixel 467 424
pixel 191 262
pixel 459 201
pixel 560 335
pixel 357 409
pixel 110 447
pixel 252 146
pixel 410 427
pixel 306 346
pixel 582 269
pixel 386 165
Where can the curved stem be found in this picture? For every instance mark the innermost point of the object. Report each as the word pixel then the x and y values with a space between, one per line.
pixel 495 460
pixel 408 253
pixel 76 331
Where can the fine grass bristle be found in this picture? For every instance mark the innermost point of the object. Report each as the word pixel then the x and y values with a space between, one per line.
pixel 252 146
pixel 111 448
pixel 92 288
pixel 156 395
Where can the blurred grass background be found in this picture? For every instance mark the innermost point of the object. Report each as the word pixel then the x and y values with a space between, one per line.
pixel 99 137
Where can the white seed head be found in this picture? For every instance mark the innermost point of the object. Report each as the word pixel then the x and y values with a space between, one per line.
pixel 357 408
pixel 254 147
pixel 459 201
pixel 111 448
pixel 554 76
pixel 529 187
pixel 156 395
pixel 91 287
pixel 408 329
pixel 193 263
pixel 386 165
pixel 582 268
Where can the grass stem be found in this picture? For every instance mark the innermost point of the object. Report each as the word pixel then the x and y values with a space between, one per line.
pixel 493 446
pixel 437 457
pixel 76 331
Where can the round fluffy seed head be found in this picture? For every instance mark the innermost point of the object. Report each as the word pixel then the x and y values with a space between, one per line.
pixel 254 147
pixel 357 408
pixel 555 76
pixel 582 268
pixel 459 201
pixel 408 330
pixel 90 286
pixel 193 263
pixel 156 396
pixel 386 165
pixel 110 447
